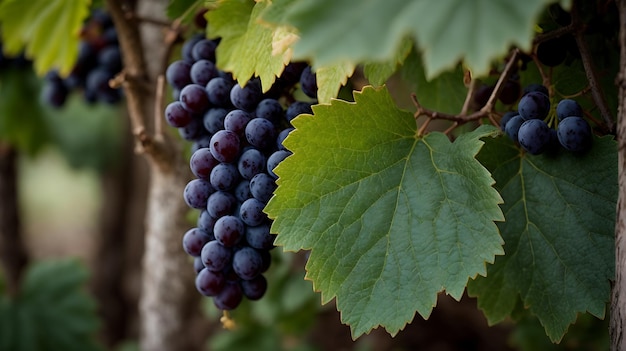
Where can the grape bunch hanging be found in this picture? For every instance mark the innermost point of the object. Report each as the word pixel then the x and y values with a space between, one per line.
pixel 99 60
pixel 528 128
pixel 237 133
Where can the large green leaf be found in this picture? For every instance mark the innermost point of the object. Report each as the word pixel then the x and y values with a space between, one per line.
pixel 392 218
pixel 559 234
pixel 51 312
pixel 47 29
pixel 246 48
pixel 476 30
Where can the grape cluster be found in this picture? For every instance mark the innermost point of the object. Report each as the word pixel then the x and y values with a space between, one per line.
pixel 528 128
pixel 99 60
pixel 237 133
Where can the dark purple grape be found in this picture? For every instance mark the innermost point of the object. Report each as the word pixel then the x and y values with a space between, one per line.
pixel 193 130
pixel 197 264
pixel 224 176
pixel 206 222
pixel 225 146
pixel 54 93
pixel 177 74
pixel 194 98
pixel 567 108
pixel 204 50
pixel 202 163
pixel 574 134
pixel 220 204
pixel 236 121
pixel 230 297
pixel 260 133
pixel 308 82
pixel 187 48
pixel 267 260
pixel 534 136
pixel 197 192
pixel 297 108
pixel 535 87
pixel 274 159
pixel 262 187
pixel 259 237
pixel 247 263
pixel 255 288
pixel 213 119
pixel 246 98
pixel 270 109
pixel 552 52
pixel 251 162
pixel 98 82
pixel 506 118
pixel 482 94
pixel 510 92
pixel 534 105
pixel 251 212
pixel 218 89
pixel 110 58
pixel 176 115
pixel 229 230
pixel 210 283
pixel 291 74
pixel 512 127
pixel 282 136
pixel 215 256
pixel 194 240
pixel 202 72
pixel 242 190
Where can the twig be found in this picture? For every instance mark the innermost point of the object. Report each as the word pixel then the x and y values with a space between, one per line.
pixel 131 15
pixel 504 76
pixel 468 97
pixel 159 106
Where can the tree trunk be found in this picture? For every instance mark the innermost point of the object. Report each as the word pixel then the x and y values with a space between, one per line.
pixel 618 301
pixel 12 249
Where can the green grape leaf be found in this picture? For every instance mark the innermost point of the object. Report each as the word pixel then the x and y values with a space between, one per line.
pixel 330 79
pixel 247 48
pixel 183 8
pixel 559 234
pixel 52 311
pixel 477 31
pixel 391 218
pixel 378 72
pixel 48 31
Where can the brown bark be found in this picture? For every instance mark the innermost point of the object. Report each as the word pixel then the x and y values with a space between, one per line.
pixel 168 300
pixel 13 253
pixel 618 301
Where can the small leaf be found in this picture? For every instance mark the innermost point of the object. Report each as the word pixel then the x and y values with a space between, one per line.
pixel 246 48
pixel 392 219
pixel 477 31
pixel 330 79
pixel 559 234
pixel 179 8
pixel 47 29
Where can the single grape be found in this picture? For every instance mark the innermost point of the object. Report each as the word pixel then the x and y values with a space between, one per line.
pixel 177 74
pixel 202 72
pixel 218 89
pixel 197 192
pixel 206 222
pixel 274 159
pixel 259 237
pixel 260 133
pixel 213 119
pixel 229 230
pixel 202 163
pixel 552 52
pixel 255 288
pixel 262 187
pixel 230 297
pixel 297 108
pixel 192 131
pixel 535 87
pixel 194 98
pixel 201 142
pixel 482 94
pixel 225 146
pixel 510 92
pixel 506 118
pixel 197 264
pixel 567 108
pixel 204 49
pixel 308 82
pixel 236 121
pixel 574 134
pixel 267 260
pixel 176 115
pixel 246 98
pixel 188 45
pixel 210 283
pixel 242 190
pixel 292 72
pixel 270 109
pixel 110 58
pixel 512 127
pixel 221 203
pixel 215 256
pixel 534 136
pixel 247 263
pixel 534 105
pixel 54 93
pixel 251 212
pixel 194 240
pixel 224 176
pixel 251 162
